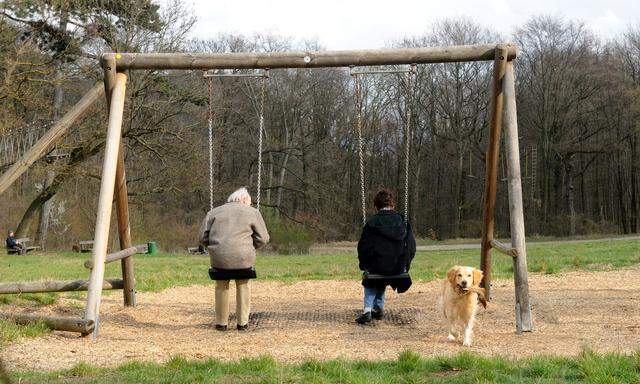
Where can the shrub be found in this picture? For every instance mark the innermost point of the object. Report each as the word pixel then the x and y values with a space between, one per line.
pixel 287 237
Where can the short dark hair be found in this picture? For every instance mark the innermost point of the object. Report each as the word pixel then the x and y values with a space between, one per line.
pixel 384 198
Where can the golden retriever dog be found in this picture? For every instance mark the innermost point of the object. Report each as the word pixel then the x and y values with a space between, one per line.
pixel 459 300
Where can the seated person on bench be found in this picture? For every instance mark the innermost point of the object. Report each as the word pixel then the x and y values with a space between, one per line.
pixel 13 245
pixel 385 251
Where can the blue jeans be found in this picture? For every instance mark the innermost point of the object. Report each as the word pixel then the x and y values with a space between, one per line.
pixel 373 299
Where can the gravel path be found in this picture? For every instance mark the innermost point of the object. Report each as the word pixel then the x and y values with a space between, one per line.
pixel 351 248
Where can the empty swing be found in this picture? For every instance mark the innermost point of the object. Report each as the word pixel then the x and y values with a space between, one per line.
pixel 264 76
pixel 409 73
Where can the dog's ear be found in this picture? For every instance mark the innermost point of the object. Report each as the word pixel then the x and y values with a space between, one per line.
pixel 477 277
pixel 451 275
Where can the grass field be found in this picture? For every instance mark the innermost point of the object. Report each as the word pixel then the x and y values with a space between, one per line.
pixel 157 272
pixel 588 367
pixel 161 271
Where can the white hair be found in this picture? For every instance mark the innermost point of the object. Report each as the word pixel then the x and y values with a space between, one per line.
pixel 241 195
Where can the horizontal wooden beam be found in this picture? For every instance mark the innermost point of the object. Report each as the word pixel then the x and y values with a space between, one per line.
pixel 40 148
pixel 308 59
pixel 503 248
pixel 70 324
pixel 111 257
pixel 55 286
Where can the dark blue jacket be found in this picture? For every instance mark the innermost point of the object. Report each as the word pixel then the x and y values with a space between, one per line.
pixel 11 242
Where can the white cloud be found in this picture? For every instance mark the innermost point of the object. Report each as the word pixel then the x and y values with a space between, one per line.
pixel 344 24
pixel 607 24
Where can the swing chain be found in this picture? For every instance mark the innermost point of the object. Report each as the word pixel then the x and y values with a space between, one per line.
pixel 263 92
pixel 407 137
pixel 359 103
pixel 210 121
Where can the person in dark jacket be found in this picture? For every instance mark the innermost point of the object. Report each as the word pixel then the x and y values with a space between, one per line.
pixel 12 244
pixel 385 251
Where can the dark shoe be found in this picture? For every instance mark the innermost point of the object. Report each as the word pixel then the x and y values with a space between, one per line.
pixel 242 327
pixel 221 328
pixel 364 318
pixel 377 314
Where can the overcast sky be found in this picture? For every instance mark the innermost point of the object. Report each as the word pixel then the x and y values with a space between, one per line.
pixel 349 24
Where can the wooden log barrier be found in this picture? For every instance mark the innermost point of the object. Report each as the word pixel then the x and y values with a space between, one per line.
pixel 305 59
pixel 70 324
pixel 119 255
pixel 55 286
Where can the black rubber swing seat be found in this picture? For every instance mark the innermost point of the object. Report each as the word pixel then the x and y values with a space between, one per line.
pixel 375 276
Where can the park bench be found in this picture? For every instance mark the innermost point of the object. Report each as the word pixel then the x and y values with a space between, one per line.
pixel 25 247
pixel 197 251
pixel 83 246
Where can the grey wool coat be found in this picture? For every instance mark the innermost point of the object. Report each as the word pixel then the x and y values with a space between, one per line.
pixel 232 232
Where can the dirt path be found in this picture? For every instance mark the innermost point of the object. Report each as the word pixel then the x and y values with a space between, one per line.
pixel 351 247
pixel 314 319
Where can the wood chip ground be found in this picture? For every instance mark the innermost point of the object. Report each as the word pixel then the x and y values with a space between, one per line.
pixel 315 320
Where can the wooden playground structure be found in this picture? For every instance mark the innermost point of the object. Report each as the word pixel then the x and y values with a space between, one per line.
pixel 503 116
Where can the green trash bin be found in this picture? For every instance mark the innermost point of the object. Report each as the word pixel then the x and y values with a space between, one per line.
pixel 152 248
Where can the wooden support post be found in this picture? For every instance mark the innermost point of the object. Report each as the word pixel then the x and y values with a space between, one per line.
pixel 70 324
pixel 107 186
pixel 52 136
pixel 55 286
pixel 491 171
pixel 524 321
pixel 122 200
pixel 124 230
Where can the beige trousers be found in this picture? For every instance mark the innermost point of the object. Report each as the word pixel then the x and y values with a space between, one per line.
pixel 243 302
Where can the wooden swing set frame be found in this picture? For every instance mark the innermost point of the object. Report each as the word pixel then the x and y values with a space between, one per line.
pixel 113 181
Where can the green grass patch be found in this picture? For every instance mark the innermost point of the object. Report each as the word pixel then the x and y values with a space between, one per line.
pixel 10 331
pixel 157 272
pixel 409 367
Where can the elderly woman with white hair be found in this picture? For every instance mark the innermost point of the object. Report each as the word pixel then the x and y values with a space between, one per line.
pixel 232 233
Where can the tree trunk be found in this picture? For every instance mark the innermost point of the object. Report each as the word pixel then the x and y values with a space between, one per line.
pixel 270 183
pixel 635 164
pixel 569 193
pixel 45 195
pixel 58 97
pixel 459 193
pixel 283 173
pixel 45 211
pixel 415 203
pixel 621 200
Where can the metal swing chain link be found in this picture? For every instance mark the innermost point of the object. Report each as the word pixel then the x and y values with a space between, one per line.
pixel 359 104
pixel 210 112
pixel 407 133
pixel 263 92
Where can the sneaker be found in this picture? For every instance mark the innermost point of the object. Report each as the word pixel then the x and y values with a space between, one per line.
pixel 242 327
pixel 377 314
pixel 221 328
pixel 364 318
